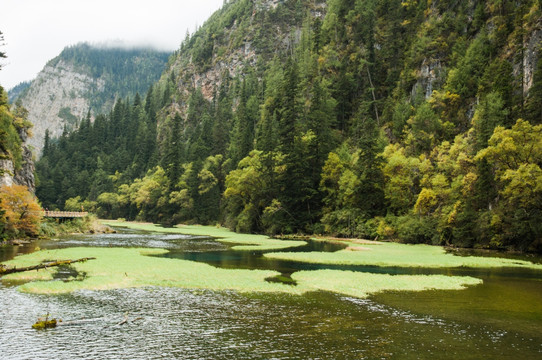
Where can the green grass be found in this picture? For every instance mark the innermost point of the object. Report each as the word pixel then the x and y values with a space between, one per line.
pixel 116 268
pixel 401 255
pixel 242 241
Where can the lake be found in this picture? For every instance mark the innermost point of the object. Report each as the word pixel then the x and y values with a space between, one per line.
pixel 500 319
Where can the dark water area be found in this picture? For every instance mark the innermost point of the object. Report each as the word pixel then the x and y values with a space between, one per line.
pixel 230 259
pixel 500 319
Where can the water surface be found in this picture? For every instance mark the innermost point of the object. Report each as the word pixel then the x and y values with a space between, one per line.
pixel 501 319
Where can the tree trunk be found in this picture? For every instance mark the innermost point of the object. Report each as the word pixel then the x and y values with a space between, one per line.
pixel 5 270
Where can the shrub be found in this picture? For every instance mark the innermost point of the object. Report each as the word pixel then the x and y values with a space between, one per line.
pixel 417 229
pixel 22 214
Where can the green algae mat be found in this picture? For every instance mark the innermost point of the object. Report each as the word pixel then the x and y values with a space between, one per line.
pixel 116 268
pixel 239 241
pixel 400 255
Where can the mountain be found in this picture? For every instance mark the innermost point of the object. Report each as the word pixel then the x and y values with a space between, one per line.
pixel 83 79
pixel 17 90
pixel 417 121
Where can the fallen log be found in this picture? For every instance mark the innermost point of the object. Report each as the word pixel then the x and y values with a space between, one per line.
pixel 45 324
pixel 4 270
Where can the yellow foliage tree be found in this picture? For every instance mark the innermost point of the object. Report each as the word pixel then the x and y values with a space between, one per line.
pixel 22 213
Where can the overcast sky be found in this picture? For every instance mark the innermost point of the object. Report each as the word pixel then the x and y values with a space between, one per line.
pixel 36 31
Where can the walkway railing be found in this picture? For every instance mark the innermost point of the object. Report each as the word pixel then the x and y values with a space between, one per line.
pixel 64 214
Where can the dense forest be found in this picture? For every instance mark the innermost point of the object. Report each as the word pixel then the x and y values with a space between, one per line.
pixel 418 121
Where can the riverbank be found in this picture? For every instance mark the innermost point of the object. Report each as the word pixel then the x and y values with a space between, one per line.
pixel 49 228
pixel 89 224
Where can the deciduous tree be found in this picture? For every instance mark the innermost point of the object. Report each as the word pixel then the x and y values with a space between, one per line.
pixel 22 214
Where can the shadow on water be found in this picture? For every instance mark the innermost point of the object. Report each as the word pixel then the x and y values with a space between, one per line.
pixel 231 259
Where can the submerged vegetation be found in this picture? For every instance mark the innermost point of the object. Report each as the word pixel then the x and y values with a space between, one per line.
pixel 401 255
pixel 384 254
pixel 122 268
pixel 239 241
pixel 115 268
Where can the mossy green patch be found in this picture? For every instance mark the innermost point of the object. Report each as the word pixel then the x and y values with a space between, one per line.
pixel 116 268
pixel 401 255
pixel 364 284
pixel 247 242
pixel 123 268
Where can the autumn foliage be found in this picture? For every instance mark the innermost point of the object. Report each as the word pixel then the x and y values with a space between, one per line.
pixel 20 212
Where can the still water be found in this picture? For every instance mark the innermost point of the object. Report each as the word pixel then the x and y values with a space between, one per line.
pixel 501 319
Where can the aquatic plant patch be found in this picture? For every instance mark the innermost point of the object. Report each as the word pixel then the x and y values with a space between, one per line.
pixel 400 255
pixel 361 285
pixel 116 268
pixel 247 242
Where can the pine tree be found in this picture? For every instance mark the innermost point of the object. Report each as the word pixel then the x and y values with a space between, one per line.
pixel 222 118
pixel 289 109
pixel 2 53
pixel 533 106
pixel 46 143
pixel 371 179
pixel 243 128
pixel 174 157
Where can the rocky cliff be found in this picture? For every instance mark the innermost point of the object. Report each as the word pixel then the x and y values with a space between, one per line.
pixel 85 79
pixel 23 175
pixel 16 160
pixel 242 36
pixel 59 97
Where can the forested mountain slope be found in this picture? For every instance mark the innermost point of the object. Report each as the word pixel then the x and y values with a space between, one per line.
pixel 412 120
pixel 85 78
pixel 17 90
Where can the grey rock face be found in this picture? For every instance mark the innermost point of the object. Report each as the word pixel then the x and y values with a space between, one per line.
pixel 58 90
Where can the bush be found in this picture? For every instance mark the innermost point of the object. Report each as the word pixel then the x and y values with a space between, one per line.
pixel 415 229
pixel 48 228
pixel 21 212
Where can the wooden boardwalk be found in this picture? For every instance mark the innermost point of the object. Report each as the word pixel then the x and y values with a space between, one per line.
pixel 64 214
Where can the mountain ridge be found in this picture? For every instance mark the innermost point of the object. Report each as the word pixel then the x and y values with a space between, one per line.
pixel 85 80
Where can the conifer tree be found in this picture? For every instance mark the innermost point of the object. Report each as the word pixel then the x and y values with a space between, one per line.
pixel 287 215
pixel 533 106
pixel 174 157
pixel 371 179
pixel 2 53
pixel 222 118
